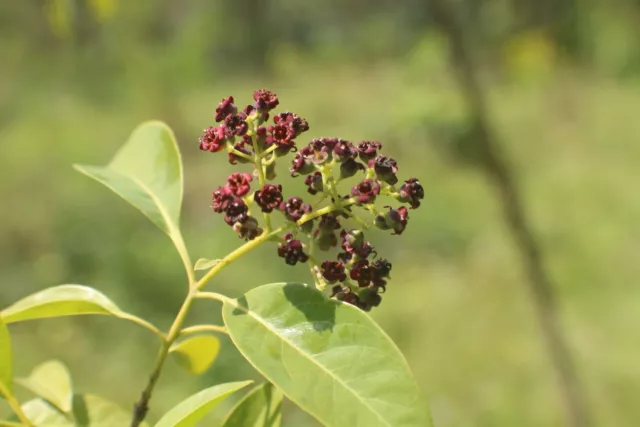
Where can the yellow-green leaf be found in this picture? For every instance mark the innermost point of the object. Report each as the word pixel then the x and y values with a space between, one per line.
pixel 191 410
pixel 6 370
pixel 52 382
pixel 261 407
pixel 147 172
pixel 196 353
pixel 327 356
pixel 205 264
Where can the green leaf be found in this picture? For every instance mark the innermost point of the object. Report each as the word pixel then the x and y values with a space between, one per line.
pixel 196 353
pixel 261 407
pixel 191 410
pixel 147 172
pixel 88 411
pixel 63 300
pixel 205 264
pixel 51 381
pixel 328 357
pixel 6 363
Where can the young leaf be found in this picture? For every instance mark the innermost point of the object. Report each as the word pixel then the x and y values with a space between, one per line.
pixel 51 381
pixel 147 172
pixel 196 353
pixel 328 357
pixel 6 370
pixel 191 410
pixel 261 407
pixel 205 264
pixel 41 413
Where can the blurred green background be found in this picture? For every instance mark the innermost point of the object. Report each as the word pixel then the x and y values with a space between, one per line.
pixel 563 84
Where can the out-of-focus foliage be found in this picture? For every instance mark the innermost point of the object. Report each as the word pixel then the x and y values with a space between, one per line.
pixel 562 77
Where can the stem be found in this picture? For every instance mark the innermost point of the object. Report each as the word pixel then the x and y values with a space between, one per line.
pixel 241 154
pixel 10 424
pixel 257 161
pixel 203 328
pixel 15 406
pixel 327 209
pixel 213 295
pixel 144 324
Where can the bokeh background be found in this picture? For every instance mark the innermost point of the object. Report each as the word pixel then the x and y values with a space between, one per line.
pixel 562 81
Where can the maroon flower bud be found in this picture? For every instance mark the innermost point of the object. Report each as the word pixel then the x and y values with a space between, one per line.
pixel 282 135
pixel 221 199
pixel 297 123
pixel 225 108
pixel 241 146
pixel 249 229
pixel 239 183
pixel 354 245
pixel 385 168
pixel 349 168
pixel 333 271
pixel 236 212
pixel 362 273
pixel 314 183
pixel 294 208
pixel 236 124
pixel 269 197
pixel 368 150
pixel 368 298
pixel 345 294
pixel 291 251
pixel 395 219
pixel 265 100
pixel 411 192
pixel 261 136
pixel 381 269
pixel 366 191
pixel 248 110
pixel 213 139
pixel 316 152
pixel 302 163
pixel 344 150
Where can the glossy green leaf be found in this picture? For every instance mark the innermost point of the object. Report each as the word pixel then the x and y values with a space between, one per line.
pixel 261 407
pixel 6 364
pixel 329 357
pixel 88 411
pixel 52 382
pixel 191 410
pixel 63 300
pixel 205 264
pixel 196 353
pixel 147 172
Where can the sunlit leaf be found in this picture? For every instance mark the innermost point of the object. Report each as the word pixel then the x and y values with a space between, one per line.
pixel 191 410
pixel 63 300
pixel 6 364
pixel 147 172
pixel 43 414
pixel 196 353
pixel 51 381
pixel 328 357
pixel 261 407
pixel 205 264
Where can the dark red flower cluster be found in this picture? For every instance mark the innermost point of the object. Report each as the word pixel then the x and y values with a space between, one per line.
pixel 248 137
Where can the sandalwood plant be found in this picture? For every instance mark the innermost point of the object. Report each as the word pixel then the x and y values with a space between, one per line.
pixel 314 344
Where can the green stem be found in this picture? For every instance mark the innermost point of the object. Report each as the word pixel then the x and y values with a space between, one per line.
pixel 144 324
pixel 257 160
pixel 214 296
pixel 10 424
pixel 15 406
pixel 203 328
pixel 241 154
pixel 327 209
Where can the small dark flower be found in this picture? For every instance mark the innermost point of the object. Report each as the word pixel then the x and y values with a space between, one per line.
pixel 328 222
pixel 366 191
pixel 349 168
pixel 239 183
pixel 333 271
pixel 368 298
pixel 325 236
pixel 317 151
pixel 265 100
pixel 213 139
pixel 240 146
pixel 354 245
pixel 297 123
pixel 361 272
pixel 368 149
pixel 225 108
pixel 395 219
pixel 411 192
pixel 249 229
pixel 236 212
pixel 381 269
pixel 221 199
pixel 301 164
pixel 294 208
pixel 344 150
pixel 282 135
pixel 386 169
pixel 345 294
pixel 269 197
pixel 291 250
pixel 314 183
pixel 236 124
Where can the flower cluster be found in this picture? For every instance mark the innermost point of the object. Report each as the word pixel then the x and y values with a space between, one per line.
pixel 333 221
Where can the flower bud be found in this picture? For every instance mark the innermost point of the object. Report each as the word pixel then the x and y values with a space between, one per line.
pixel 333 271
pixel 291 251
pixel 368 150
pixel 349 168
pixel 366 191
pixel 225 108
pixel 213 139
pixel 249 229
pixel 269 197
pixel 239 183
pixel 344 150
pixel 221 199
pixel 294 208
pixel 386 169
pixel 314 183
pixel 411 192
pixel 395 219
pixel 236 212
